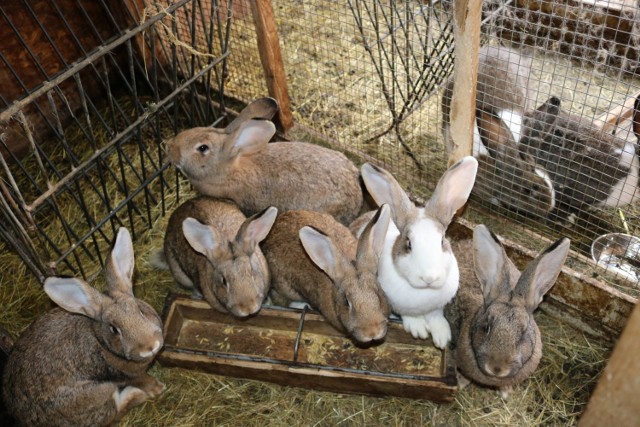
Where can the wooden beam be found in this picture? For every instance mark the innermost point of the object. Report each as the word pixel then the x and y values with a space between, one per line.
pixel 271 58
pixel 466 17
pixel 615 399
pixel 614 117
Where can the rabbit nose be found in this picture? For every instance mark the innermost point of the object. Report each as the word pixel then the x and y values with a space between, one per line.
pixel 430 279
pixel 154 350
pixel 496 371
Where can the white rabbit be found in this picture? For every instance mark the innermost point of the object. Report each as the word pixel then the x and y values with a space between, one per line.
pixel 418 271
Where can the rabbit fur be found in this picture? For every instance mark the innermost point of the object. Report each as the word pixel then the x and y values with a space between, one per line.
pixel 589 168
pixel 497 339
pixel 84 363
pixel 212 248
pixel 417 270
pixel 507 176
pixel 315 259
pixel 238 163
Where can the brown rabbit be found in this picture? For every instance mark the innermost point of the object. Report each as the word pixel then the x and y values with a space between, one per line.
pixel 237 163
pixel 84 363
pixel 211 247
pixel 315 259
pixel 497 340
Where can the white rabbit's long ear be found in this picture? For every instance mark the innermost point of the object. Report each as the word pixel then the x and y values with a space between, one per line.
pixel 541 273
pixel 323 253
pixel 120 264
pixel 262 108
pixel 202 238
pixel 372 239
pixel 256 228
pixel 384 188
pixel 453 190
pixel 75 296
pixel 251 137
pixel 491 265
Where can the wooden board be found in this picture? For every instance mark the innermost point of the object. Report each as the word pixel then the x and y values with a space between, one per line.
pixel 268 347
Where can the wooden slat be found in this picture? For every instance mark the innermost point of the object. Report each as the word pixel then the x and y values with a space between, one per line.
pixel 466 16
pixel 615 399
pixel 271 58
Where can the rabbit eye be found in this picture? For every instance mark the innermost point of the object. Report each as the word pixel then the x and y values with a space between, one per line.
pixel 407 245
pixel 442 242
pixel 203 148
pixel 347 302
pixel 487 328
pixel 225 283
pixel 114 330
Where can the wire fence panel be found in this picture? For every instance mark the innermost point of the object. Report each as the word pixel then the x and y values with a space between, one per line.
pixel 83 147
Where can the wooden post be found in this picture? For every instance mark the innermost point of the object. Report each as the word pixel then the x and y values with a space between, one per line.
pixel 615 399
pixel 271 58
pixel 466 17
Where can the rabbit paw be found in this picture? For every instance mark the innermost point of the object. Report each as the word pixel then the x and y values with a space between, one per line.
pixel 151 386
pixel 440 330
pixel 128 397
pixel 505 391
pixel 416 326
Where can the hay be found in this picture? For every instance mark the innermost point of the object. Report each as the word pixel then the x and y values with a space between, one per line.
pixel 555 395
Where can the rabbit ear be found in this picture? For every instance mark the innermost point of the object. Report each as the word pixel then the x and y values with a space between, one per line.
pixel 384 188
pixel 541 273
pixel 251 137
pixel 323 252
pixel 453 190
pixel 262 108
pixel 372 239
pixel 491 264
pixel 494 132
pixel 256 228
pixel 120 265
pixel 75 296
pixel 636 118
pixel 201 237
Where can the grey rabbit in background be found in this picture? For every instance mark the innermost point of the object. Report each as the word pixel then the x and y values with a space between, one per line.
pixel 589 168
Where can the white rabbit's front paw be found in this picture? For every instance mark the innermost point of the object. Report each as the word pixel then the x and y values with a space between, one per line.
pixel 440 330
pixel 416 326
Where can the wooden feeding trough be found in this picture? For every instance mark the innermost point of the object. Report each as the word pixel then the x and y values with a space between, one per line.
pixel 299 348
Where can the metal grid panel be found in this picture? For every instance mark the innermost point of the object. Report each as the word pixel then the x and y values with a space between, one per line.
pixel 369 77
pixel 94 130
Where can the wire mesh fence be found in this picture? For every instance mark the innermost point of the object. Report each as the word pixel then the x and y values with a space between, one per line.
pixel 371 77
pixel 82 140
pixel 368 77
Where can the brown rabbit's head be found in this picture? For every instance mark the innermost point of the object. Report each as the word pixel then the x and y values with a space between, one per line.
pixel 360 303
pixel 127 326
pixel 237 276
pixel 504 335
pixel 202 151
